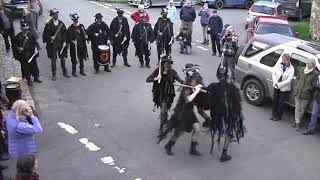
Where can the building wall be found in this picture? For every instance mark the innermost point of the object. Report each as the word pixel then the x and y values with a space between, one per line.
pixel 315 20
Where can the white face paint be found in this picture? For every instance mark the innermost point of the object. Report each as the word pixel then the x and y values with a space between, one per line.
pixel 68 128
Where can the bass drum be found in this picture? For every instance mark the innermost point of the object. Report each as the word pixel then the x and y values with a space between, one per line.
pixel 104 54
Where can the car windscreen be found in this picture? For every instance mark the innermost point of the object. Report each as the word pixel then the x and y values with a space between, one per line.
pixel 266 28
pixel 262 9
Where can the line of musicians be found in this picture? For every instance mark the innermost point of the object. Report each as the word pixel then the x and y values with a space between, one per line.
pixel 60 40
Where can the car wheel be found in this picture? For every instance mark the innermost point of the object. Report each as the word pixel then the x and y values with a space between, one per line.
pixel 253 92
pixel 248 4
pixel 219 4
pixel 147 4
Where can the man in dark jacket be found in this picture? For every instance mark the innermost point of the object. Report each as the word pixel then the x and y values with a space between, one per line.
pixel 215 28
pixel 77 42
pixel 316 108
pixel 55 35
pixel 6 28
pixel 99 34
pixel 187 16
pixel 163 31
pixel 26 52
pixel 142 37
pixel 120 37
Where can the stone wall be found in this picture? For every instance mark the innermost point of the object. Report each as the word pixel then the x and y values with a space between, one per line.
pixel 315 20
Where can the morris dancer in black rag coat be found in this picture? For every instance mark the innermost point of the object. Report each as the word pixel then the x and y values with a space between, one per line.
pixel 77 39
pixel 120 37
pixel 25 48
pixel 99 34
pixel 163 89
pixel 163 31
pixel 142 37
pixel 225 111
pixel 55 35
pixel 184 118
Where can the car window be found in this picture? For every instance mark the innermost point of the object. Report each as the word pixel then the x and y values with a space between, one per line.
pixel 255 47
pixel 280 11
pixel 298 62
pixel 272 58
pixel 262 9
pixel 265 28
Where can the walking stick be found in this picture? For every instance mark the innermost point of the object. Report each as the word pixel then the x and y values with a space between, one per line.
pixel 29 61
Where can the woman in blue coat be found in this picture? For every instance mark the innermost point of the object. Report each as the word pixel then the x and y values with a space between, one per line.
pixel 22 125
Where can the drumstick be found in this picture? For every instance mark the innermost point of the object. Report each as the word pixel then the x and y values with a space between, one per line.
pixel 187 86
pixel 32 57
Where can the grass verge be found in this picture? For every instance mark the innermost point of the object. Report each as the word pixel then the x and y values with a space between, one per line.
pixel 303 29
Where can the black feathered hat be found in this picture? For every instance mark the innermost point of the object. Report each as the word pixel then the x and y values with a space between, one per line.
pixel 120 11
pixel 98 15
pixel 166 59
pixel 53 11
pixel 74 16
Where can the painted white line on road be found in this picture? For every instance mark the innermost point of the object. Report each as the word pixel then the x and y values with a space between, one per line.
pixel 108 4
pixel 137 179
pixel 200 47
pixel 108 160
pixel 68 128
pixel 90 145
pixel 93 2
pixel 121 170
pixel 113 10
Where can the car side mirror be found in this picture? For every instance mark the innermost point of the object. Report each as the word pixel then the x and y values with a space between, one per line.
pixel 296 34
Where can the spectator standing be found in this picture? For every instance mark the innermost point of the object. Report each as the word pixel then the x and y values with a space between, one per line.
pixel 204 13
pixel 36 10
pixel 185 41
pixel 27 168
pixel 316 107
pixel 229 48
pixel 215 28
pixel 172 11
pixel 303 91
pixel 187 16
pixel 6 29
pixel 136 16
pixel 2 140
pixel 282 76
pixel 22 125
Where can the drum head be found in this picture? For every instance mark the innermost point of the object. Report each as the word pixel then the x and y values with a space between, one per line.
pixel 103 47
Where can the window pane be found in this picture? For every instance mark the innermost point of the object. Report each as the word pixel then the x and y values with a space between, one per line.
pixel 298 62
pixel 256 47
pixel 272 58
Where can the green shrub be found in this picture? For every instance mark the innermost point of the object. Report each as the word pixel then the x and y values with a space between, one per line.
pixel 303 29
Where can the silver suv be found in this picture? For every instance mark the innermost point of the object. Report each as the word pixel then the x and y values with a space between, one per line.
pixel 259 56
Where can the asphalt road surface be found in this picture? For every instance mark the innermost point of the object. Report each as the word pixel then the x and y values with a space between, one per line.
pixel 111 114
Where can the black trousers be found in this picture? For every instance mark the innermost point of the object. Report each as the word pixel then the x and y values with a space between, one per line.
pixel 29 69
pixel 55 54
pixel 215 41
pixel 278 102
pixel 124 52
pixel 144 52
pixel 6 34
pixel 162 48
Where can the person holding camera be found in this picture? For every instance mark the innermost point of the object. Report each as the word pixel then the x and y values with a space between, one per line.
pixel 214 29
pixel 22 125
pixel 229 48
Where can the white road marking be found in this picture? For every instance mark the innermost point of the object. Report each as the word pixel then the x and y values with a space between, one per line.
pixel 108 160
pixel 200 47
pixel 108 4
pixel 68 128
pixel 90 145
pixel 138 179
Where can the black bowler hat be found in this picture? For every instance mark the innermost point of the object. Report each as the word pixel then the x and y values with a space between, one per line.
pixel 166 59
pixel 98 15
pixel 74 16
pixel 53 11
pixel 120 11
